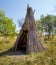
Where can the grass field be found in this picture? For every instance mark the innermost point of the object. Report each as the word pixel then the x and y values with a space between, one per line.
pixel 47 57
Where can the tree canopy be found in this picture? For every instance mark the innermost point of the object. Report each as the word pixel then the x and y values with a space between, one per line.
pixel 7 26
pixel 47 25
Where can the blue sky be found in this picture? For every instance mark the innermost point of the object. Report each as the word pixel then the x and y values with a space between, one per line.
pixel 17 8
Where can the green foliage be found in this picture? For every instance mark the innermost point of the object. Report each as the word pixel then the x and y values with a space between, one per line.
pixel 39 26
pixel 7 27
pixel 47 25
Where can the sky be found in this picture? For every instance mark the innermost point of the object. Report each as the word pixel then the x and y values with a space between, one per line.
pixel 16 9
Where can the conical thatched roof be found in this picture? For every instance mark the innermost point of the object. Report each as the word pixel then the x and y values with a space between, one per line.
pixel 28 39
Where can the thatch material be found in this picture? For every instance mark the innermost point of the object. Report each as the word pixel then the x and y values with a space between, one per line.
pixel 28 39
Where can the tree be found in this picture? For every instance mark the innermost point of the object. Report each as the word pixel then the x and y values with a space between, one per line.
pixel 55 25
pixel 20 22
pixel 39 26
pixel 7 26
pixel 48 24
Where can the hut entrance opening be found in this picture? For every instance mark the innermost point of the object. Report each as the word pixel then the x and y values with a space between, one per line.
pixel 22 43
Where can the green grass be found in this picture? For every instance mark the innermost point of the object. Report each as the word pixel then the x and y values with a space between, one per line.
pixel 6 43
pixel 47 57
